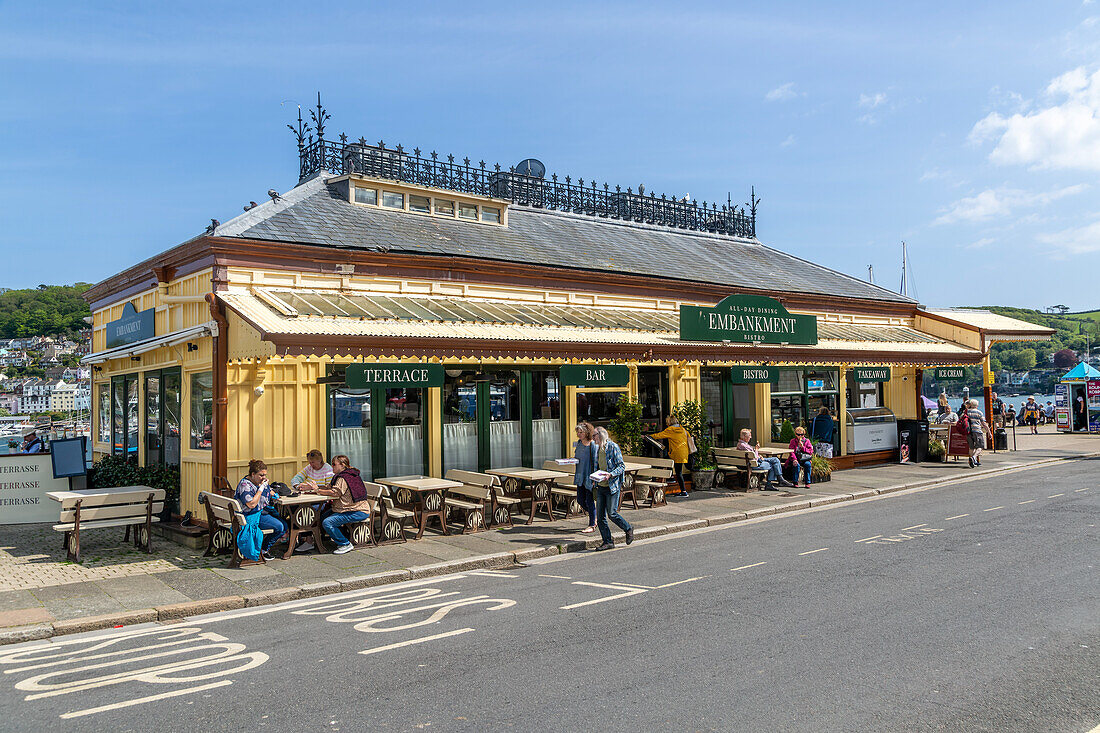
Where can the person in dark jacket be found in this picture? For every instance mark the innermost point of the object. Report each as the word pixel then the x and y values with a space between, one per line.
pixel 349 502
pixel 584 450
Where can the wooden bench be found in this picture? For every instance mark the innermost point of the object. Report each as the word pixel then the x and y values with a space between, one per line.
pixel 501 505
pixel 130 507
pixel 630 488
pixel 391 519
pixel 735 462
pixel 652 482
pixel 564 490
pixel 472 498
pixel 225 520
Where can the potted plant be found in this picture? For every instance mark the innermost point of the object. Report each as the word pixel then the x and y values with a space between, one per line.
pixel 820 469
pixel 936 450
pixel 786 432
pixel 692 415
pixel 626 426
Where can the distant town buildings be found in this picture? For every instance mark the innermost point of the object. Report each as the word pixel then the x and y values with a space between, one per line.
pixel 64 386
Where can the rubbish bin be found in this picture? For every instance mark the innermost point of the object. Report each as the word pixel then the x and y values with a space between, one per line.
pixel 1000 439
pixel 913 439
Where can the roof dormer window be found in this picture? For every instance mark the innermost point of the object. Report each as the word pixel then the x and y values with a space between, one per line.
pixel 443 207
pixel 366 196
pixel 393 200
pixel 467 211
pixel 422 204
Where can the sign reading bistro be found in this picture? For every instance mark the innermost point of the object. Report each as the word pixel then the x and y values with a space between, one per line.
pixel 393 376
pixel 747 319
pixel 754 374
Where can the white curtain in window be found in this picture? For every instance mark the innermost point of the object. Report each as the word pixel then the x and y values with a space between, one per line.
pixel 404 450
pixel 504 444
pixel 460 446
pixel 545 441
pixel 355 444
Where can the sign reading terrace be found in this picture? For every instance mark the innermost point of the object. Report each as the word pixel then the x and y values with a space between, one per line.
pixel 595 375
pixel 754 375
pixel 950 374
pixel 871 374
pixel 391 376
pixel 747 319
pixel 131 326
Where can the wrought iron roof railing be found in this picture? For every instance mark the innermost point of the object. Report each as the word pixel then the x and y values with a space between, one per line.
pixel 316 154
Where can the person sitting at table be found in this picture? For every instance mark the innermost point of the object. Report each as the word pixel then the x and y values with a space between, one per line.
pixel 584 450
pixel 315 473
pixel 255 495
pixel 677 439
pixel 802 451
pixel 349 503
pixel 947 418
pixel 773 464
pixel 31 442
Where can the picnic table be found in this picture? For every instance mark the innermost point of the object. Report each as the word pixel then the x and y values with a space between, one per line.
pixel 303 514
pixel 530 484
pixel 424 495
pixel 132 507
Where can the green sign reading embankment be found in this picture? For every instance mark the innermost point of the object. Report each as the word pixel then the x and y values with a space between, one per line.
pixel 747 319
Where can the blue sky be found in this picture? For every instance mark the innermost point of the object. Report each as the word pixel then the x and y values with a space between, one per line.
pixel 969 130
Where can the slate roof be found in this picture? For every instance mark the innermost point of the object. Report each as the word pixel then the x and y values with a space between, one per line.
pixel 316 213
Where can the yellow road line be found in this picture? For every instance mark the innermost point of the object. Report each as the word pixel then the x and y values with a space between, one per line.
pixel 915 526
pixel 957 516
pixel 1078 491
pixel 1029 501
pixel 868 539
pixel 141 700
pixel 810 552
pixel 993 508
pixel 410 642
pixel 1055 496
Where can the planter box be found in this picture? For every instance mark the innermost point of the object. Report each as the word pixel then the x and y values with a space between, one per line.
pixel 702 480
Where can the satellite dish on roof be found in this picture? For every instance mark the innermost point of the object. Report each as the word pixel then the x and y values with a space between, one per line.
pixel 531 167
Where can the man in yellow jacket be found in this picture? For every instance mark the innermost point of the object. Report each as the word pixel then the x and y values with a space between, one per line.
pixel 677 439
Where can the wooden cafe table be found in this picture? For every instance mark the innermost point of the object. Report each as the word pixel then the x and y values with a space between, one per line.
pixel 303 515
pixel 530 484
pixel 422 494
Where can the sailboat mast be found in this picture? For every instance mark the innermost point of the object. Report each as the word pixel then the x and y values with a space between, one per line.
pixel 904 277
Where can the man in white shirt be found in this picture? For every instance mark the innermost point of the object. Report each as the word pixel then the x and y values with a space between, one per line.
pixel 316 474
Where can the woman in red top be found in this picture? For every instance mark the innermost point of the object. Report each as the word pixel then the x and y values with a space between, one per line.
pixel 802 450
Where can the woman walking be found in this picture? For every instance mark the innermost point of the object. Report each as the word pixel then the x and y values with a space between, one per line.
pixel 977 430
pixel 609 460
pixel 584 450
pixel 677 439
pixel 802 451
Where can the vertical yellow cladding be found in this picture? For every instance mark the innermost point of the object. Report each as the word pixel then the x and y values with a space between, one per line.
pixel 684 382
pixel 900 393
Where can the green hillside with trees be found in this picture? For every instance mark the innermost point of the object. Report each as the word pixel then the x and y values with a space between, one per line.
pixel 47 310
pixel 1071 331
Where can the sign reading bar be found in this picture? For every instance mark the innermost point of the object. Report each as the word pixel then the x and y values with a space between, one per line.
pixel 754 375
pixel 950 374
pixel 747 319
pixel 871 374
pixel 393 376
pixel 131 326
pixel 596 375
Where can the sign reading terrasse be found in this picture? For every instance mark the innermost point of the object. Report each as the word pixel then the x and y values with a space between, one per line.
pixel 747 318
pixel 393 376
pixel 596 375
pixel 950 374
pixel 871 374
pixel 754 375
pixel 131 326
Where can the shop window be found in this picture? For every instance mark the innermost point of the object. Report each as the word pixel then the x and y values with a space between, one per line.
pixel 490 214
pixel 404 432
pixel 545 417
pixel 443 207
pixel 786 408
pixel 790 380
pixel 862 394
pixel 711 390
pixel 124 415
pixel 350 428
pixel 393 200
pixel 421 204
pixel 505 442
pixel 821 381
pixel 460 429
pixel 366 196
pixel 162 418
pixel 799 396
pixel 202 410
pixel 598 408
pixel 153 443
pixel 467 211
pixel 103 405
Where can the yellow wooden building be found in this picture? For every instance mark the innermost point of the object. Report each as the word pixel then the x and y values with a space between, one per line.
pixel 416 314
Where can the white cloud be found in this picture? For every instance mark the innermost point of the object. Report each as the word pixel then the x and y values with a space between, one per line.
pixel 1065 134
pixel 870 101
pixel 983 242
pixel 1075 240
pixel 1000 202
pixel 782 93
pixel 791 140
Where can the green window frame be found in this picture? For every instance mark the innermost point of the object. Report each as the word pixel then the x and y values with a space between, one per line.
pixel 162 416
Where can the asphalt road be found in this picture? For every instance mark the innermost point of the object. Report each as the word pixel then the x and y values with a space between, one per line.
pixel 970 606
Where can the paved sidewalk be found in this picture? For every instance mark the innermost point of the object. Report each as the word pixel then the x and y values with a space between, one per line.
pixel 42 592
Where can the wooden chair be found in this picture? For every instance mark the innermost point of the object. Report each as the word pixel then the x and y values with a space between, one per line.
pixel 130 507
pixel 472 498
pixel 652 483
pixel 225 519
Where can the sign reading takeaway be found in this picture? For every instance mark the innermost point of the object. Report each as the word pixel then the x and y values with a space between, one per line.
pixel 747 319
pixel 393 376
pixel 871 374
pixel 131 326
pixel 754 374
pixel 595 375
